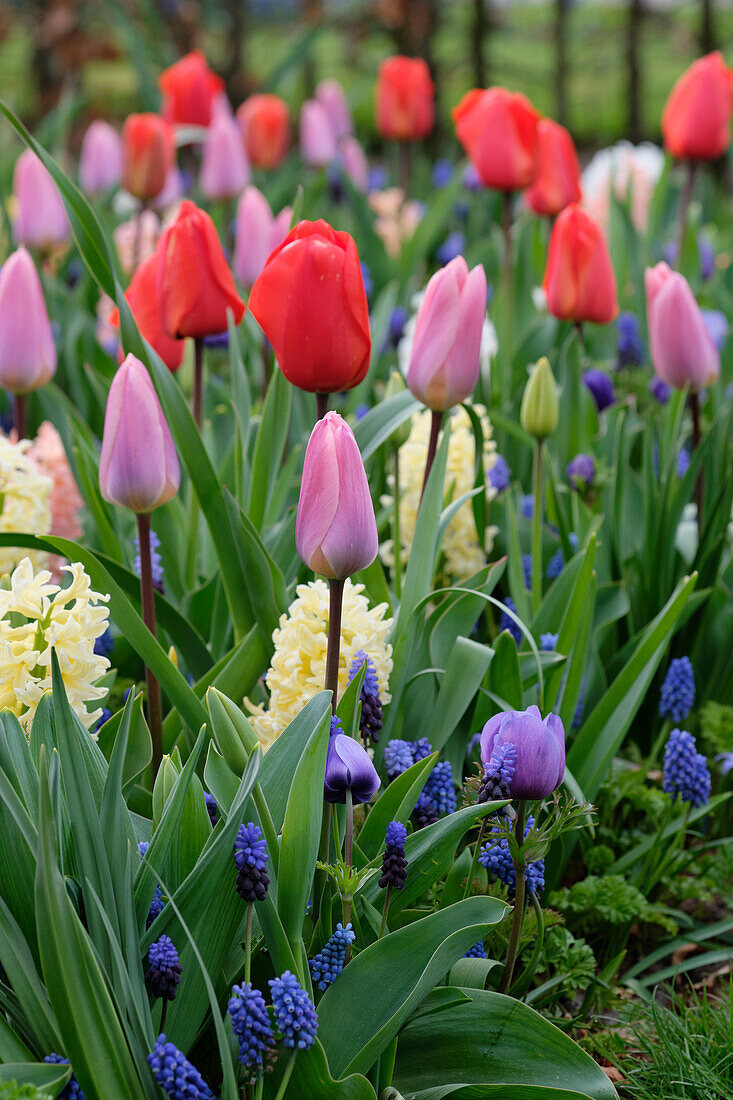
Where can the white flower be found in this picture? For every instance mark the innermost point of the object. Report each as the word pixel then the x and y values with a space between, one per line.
pixel 632 171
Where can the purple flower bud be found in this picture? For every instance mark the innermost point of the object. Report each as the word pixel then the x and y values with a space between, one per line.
pixel 580 471
pixel 27 350
pixel 317 140
pixel 601 387
pixel 348 767
pixel 224 167
pixel 100 161
pixel 540 747
pixel 40 219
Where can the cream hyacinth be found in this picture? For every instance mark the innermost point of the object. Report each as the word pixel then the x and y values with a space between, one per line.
pixel 464 552
pixel 298 668
pixel 36 616
pixel 25 501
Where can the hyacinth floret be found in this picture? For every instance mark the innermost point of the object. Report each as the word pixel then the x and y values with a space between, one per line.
pixel 397 757
pixel 164 969
pixel 295 1015
pixel 250 857
pixel 394 862
pixel 326 966
pixel 251 1027
pixel 478 951
pixel 421 749
pixel 498 774
pixel 497 860
pixel 629 346
pixel 425 812
pixel 548 641
pixel 175 1074
pixel 500 475
pixel 71 1091
pixel 678 690
pixel 370 723
pixel 685 770
pixel 440 788
pixel 506 622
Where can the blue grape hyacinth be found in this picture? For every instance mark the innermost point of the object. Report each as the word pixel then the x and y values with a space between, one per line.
pixel 500 476
pixel 295 1015
pixel 164 969
pixel 507 623
pixel 629 346
pixel 251 1027
pixel 498 774
pixel 157 905
pixel 440 789
pixel 685 770
pixel 370 723
pixel 397 757
pixel 175 1074
pixel 326 966
pixel 71 1091
pixel 478 951
pixel 678 690
pixel 250 857
pixel 156 561
pixel 394 862
pixel 497 860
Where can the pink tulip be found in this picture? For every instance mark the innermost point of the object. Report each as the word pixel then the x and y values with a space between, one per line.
pixel 40 220
pixel 100 162
pixel 335 531
pixel 444 363
pixel 330 95
pixel 258 234
pixel 27 350
pixel 139 466
pixel 682 349
pixel 318 145
pixel 354 162
pixel 224 167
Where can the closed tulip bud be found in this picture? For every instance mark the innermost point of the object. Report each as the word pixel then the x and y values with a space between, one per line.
pixel 579 282
pixel 258 233
pixel 195 285
pixel 557 182
pixel 40 219
pixel 354 162
pixel 142 298
pixel 682 350
pixel 189 89
pixel 224 168
pixel 100 161
pixel 335 530
pixel 396 384
pixel 27 350
pixel 330 95
pixel 149 150
pixel 264 121
pixel 311 304
pixel 138 468
pixel 498 130
pixel 540 748
pixel 696 117
pixel 540 410
pixel 318 145
pixel 405 99
pixel 445 358
pixel 349 768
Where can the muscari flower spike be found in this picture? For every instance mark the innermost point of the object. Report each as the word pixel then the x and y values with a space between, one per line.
pixel 527 571
pixel 370 723
pixel 212 809
pixel 164 969
pixel 678 690
pixel 295 1015
pixel 440 789
pixel 497 860
pixel 500 475
pixel 394 863
pixel 507 623
pixel 629 345
pixel 157 905
pixel 685 770
pixel 175 1074
pixel 71 1091
pixel 156 561
pixel 498 774
pixel 250 857
pixel 326 966
pixel 557 561
pixel 251 1027
pixel 548 641
pixel 478 951
pixel 424 813
pixel 397 757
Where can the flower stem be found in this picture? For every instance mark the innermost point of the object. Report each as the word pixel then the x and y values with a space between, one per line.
pixel 248 942
pixel 198 379
pixel 396 538
pixel 474 860
pixel 137 238
pixel 321 405
pixel 163 1015
pixel 508 299
pixel 523 982
pixel 385 912
pixel 694 403
pixel 19 415
pixel 518 914
pixel 286 1076
pixel 435 426
pixel 685 201
pixel 537 529
pixel 147 592
pixel 336 600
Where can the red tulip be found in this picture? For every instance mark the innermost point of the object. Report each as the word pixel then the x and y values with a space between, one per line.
pixel 149 151
pixel 557 182
pixel 265 124
pixel 405 99
pixel 310 302
pixel 142 298
pixel 189 88
pixel 195 285
pixel 498 130
pixel 696 117
pixel 579 281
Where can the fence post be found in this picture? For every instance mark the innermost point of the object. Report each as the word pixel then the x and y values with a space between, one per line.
pixel 561 59
pixel 633 34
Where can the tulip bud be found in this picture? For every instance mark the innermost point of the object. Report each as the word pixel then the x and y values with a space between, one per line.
pixel 445 358
pixel 234 736
pixel 681 347
pixel 100 161
pixel 40 219
pixel 405 99
pixel 142 298
pixel 498 130
pixel 579 281
pixel 540 748
pixel 330 95
pixel 195 285
pixel 27 350
pixel 189 89
pixel 264 121
pixel 138 468
pixel 540 410
pixel 165 781
pixel 335 530
pixel 696 117
pixel 317 140
pixel 348 768
pixel 396 384
pixel 224 168
pixel 258 234
pixel 557 182
pixel 148 155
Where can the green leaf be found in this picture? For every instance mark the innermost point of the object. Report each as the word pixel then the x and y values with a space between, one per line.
pixel 312 1078
pixel 504 676
pixel 396 803
pixel 379 423
pixel 51 1078
pixel 467 666
pixel 269 446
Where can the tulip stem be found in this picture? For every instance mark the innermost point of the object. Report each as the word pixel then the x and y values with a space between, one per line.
pixel 694 403
pixel 685 201
pixel 147 593
pixel 198 379
pixel 405 159
pixel 537 529
pixel 396 537
pixel 336 600
pixel 506 377
pixel 19 415
pixel 435 426
pixel 518 914
pixel 321 405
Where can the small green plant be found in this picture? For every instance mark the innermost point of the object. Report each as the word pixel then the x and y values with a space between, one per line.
pixel 11 1090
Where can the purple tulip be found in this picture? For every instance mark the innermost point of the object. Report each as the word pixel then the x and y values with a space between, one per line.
pixel 258 234
pixel 445 358
pixel 330 95
pixel 580 471
pixel 100 161
pixel 27 350
pixel 348 767
pixel 139 466
pixel 540 746
pixel 335 531
pixel 318 144
pixel 682 349
pixel 601 388
pixel 224 167
pixel 40 220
